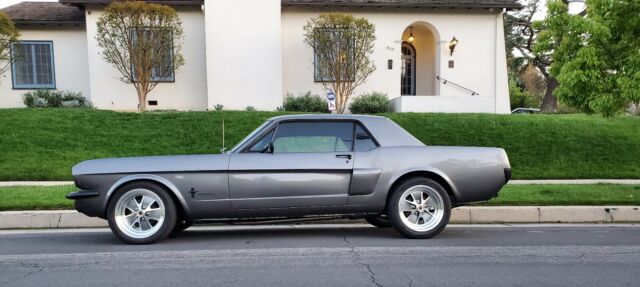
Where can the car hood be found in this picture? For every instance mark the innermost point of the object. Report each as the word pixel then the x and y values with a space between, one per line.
pixel 147 164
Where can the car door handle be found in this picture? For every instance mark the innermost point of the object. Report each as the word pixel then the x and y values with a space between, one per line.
pixel 347 156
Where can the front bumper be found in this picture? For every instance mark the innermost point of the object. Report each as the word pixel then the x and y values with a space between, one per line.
pixel 83 194
pixel 89 202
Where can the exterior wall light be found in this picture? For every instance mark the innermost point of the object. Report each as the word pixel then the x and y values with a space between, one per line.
pixel 452 45
pixel 411 37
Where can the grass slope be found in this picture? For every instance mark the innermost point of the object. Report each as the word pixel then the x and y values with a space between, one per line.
pixel 52 197
pixel 43 144
pixel 544 194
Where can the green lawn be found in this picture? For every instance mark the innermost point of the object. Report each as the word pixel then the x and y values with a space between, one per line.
pixel 52 197
pixel 35 197
pixel 548 194
pixel 43 144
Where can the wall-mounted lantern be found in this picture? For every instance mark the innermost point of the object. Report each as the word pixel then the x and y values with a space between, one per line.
pixel 411 37
pixel 452 45
pixel 390 64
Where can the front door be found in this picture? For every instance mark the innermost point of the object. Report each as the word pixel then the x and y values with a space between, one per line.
pixel 296 164
pixel 408 76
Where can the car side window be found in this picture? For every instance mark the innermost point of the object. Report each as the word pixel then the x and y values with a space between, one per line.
pixel 263 144
pixel 313 137
pixel 363 140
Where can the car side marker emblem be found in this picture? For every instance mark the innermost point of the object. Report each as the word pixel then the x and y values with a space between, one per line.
pixel 193 192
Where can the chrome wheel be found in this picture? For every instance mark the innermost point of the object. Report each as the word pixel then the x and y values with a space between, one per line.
pixel 421 208
pixel 139 213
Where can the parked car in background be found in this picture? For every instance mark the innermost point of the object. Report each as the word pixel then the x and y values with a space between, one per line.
pixel 294 166
pixel 525 111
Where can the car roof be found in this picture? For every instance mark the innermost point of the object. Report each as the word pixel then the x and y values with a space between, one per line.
pixel 323 117
pixel 386 132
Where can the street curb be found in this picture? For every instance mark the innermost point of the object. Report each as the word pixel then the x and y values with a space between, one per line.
pixel 463 215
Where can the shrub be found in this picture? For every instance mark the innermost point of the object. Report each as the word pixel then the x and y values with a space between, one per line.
pixel 55 99
pixel 250 109
pixel 305 103
pixel 372 103
pixel 519 98
pixel 218 107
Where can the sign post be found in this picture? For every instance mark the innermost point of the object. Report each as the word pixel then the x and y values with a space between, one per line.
pixel 331 101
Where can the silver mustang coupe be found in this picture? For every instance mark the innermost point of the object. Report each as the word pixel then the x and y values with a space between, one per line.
pixel 293 167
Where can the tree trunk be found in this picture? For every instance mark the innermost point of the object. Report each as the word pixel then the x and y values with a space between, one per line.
pixel 142 99
pixel 550 102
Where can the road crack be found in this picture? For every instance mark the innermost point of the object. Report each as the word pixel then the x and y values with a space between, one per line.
pixel 356 253
pixel 39 269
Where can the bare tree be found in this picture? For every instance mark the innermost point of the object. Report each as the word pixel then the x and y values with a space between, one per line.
pixel 143 41
pixel 342 46
pixel 521 35
pixel 8 36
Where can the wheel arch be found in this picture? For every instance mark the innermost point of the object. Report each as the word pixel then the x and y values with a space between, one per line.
pixel 438 176
pixel 174 192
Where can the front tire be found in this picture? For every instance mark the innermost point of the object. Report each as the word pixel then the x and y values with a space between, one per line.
pixel 141 213
pixel 419 208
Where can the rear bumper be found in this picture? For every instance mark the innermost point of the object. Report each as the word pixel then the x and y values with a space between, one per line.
pixel 507 174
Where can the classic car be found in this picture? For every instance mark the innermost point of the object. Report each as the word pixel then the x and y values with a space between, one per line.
pixel 294 167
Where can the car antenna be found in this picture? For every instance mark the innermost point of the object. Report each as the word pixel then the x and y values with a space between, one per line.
pixel 224 148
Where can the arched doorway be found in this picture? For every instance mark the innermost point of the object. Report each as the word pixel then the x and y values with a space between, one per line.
pixel 419 60
pixel 408 83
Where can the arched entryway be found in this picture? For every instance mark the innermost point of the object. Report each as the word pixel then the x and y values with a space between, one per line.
pixel 420 58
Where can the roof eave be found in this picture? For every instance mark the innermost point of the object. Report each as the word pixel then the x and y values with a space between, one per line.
pixel 48 23
pixel 173 3
pixel 515 6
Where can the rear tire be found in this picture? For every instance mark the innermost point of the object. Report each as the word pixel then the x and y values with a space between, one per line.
pixel 141 213
pixel 419 208
pixel 378 221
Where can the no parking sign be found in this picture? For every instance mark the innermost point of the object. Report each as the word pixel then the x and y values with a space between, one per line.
pixel 331 101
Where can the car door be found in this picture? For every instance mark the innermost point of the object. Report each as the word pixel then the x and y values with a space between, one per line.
pixel 295 164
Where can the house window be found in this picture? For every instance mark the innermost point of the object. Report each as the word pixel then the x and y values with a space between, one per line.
pixel 33 67
pixel 164 70
pixel 341 53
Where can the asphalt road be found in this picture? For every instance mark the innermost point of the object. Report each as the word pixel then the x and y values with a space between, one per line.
pixel 328 255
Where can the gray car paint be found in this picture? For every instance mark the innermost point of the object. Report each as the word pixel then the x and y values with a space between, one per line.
pixel 237 184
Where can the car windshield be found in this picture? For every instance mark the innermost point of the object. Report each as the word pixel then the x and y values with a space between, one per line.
pixel 251 135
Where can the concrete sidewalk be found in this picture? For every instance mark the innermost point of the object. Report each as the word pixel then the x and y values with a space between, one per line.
pixel 461 215
pixel 534 181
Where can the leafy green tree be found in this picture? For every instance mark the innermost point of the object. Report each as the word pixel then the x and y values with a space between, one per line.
pixel 596 58
pixel 143 41
pixel 8 35
pixel 342 47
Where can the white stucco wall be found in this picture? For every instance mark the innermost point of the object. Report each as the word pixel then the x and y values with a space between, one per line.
pixel 188 92
pixel 479 59
pixel 70 60
pixel 244 54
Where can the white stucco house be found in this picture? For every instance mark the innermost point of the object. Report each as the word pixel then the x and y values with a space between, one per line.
pixel 241 53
